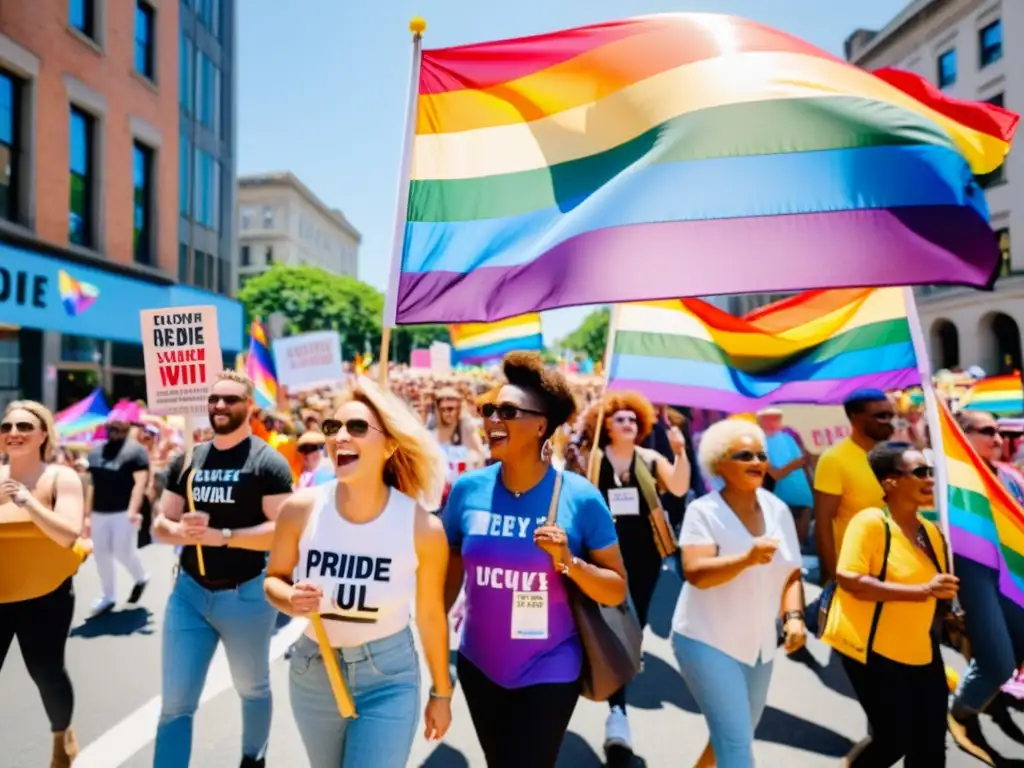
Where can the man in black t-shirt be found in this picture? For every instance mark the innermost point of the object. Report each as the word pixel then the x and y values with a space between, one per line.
pixel 119 469
pixel 237 484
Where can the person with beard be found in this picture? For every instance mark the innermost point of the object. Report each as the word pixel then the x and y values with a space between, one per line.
pixel 119 469
pixel 238 483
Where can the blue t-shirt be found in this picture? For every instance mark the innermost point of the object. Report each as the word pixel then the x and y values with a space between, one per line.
pixel 794 488
pixel 494 530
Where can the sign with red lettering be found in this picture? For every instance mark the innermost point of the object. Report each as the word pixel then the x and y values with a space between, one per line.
pixel 308 360
pixel 182 355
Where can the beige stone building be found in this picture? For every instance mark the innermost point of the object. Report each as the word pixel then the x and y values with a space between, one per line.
pixel 967 48
pixel 281 221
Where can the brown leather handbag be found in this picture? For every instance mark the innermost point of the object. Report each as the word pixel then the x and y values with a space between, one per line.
pixel 663 538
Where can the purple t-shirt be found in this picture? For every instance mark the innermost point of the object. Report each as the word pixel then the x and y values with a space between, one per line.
pixel 494 531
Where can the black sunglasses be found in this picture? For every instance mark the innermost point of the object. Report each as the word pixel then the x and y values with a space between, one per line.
pixel 986 431
pixel 884 416
pixel 355 427
pixel 922 473
pixel 506 411
pixel 747 457
pixel 20 427
pixel 229 400
pixel 306 449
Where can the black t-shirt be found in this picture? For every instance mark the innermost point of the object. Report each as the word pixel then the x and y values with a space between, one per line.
pixel 112 466
pixel 230 486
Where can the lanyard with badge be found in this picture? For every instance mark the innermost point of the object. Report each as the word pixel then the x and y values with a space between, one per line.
pixel 530 608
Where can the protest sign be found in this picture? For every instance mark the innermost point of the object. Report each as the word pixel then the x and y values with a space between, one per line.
pixel 420 358
pixel 308 360
pixel 182 355
pixel 441 358
pixel 819 426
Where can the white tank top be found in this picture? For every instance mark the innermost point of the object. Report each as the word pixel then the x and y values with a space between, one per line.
pixel 367 571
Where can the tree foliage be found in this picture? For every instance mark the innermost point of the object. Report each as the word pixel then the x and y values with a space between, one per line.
pixel 314 300
pixel 591 336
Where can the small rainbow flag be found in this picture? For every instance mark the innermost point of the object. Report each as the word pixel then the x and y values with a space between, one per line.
pixel 259 366
pixel 1001 395
pixel 84 416
pixel 986 523
pixel 481 343
pixel 682 154
pixel 817 347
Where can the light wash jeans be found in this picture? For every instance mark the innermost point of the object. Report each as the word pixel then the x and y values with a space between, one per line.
pixel 730 694
pixel 383 678
pixel 195 621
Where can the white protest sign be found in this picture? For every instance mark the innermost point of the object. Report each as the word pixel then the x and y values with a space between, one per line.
pixel 308 360
pixel 440 357
pixel 182 354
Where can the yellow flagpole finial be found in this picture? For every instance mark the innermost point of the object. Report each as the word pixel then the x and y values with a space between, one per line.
pixel 418 25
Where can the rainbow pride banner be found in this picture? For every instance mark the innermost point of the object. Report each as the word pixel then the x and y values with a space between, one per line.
pixel 481 343
pixel 84 416
pixel 816 348
pixel 259 365
pixel 1001 395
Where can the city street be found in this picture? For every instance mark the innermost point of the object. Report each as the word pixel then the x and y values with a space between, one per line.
pixel 115 665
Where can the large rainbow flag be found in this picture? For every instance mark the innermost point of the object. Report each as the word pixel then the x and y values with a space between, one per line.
pixel 480 343
pixel 84 416
pixel 985 522
pixel 259 365
pixel 816 347
pixel 1001 395
pixel 683 154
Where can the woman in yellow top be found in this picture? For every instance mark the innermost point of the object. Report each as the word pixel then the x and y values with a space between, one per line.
pixel 891 577
pixel 41 512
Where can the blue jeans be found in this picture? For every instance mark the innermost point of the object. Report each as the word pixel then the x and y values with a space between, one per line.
pixel 196 620
pixel 995 627
pixel 730 694
pixel 383 678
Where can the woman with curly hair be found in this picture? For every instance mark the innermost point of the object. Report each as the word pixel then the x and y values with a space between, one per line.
pixel 520 658
pixel 357 551
pixel 630 477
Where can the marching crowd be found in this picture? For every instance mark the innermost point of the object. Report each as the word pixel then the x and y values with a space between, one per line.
pixel 541 513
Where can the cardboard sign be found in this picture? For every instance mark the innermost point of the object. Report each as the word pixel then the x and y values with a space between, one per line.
pixel 308 360
pixel 182 354
pixel 441 357
pixel 819 426
pixel 420 358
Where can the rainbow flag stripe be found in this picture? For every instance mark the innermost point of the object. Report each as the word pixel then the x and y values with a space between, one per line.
pixel 84 416
pixel 816 347
pixel 480 343
pixel 986 524
pixel 542 165
pixel 259 364
pixel 1001 395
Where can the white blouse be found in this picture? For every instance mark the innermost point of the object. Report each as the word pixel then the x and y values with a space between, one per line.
pixel 738 617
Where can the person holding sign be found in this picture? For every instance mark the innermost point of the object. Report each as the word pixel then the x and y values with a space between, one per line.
pixel 520 658
pixel 41 517
pixel 238 483
pixel 355 553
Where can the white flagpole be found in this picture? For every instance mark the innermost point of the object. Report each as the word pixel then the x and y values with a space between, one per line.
pixel 931 410
pixel 417 27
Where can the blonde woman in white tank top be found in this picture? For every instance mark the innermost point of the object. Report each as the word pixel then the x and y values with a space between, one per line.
pixel 358 551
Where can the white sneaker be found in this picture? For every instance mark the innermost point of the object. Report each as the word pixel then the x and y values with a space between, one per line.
pixel 100 606
pixel 616 730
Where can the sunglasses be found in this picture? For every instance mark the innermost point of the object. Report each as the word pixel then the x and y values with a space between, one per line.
pixel 229 400
pixel 307 449
pixel 18 427
pixel 922 473
pixel 624 418
pixel 986 431
pixel 354 427
pixel 507 411
pixel 884 416
pixel 746 457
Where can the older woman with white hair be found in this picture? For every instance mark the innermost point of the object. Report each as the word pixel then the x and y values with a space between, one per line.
pixel 742 562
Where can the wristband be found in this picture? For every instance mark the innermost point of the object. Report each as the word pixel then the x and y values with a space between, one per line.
pixel 435 695
pixel 792 615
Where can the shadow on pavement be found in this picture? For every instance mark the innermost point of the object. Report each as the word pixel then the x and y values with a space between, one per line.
pixel 830 675
pixel 445 757
pixel 663 603
pixel 131 621
pixel 781 727
pixel 576 753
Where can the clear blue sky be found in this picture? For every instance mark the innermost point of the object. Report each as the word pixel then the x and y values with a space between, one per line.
pixel 323 84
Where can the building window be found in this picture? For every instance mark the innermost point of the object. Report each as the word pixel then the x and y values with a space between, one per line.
pixel 208 96
pixel 1006 258
pixel 186 63
pixel 223 276
pixel 245 218
pixel 199 268
pixel 81 204
pixel 998 176
pixel 947 68
pixel 990 43
pixel 184 175
pixel 145 62
pixel 182 263
pixel 269 261
pixel 211 272
pixel 10 150
pixel 142 175
pixel 82 16
pixel 244 258
pixel 204 189
pixel 207 11
pixel 268 217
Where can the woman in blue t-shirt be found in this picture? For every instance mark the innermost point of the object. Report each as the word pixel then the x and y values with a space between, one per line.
pixel 520 658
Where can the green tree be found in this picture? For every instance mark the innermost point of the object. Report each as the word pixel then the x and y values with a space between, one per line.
pixel 591 337
pixel 406 338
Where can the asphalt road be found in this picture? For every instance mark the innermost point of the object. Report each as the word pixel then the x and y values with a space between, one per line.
pixel 811 718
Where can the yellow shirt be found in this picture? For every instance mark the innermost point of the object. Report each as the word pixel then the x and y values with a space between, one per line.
pixel 904 628
pixel 843 471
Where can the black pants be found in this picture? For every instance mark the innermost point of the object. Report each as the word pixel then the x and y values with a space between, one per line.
pixel 517 727
pixel 642 580
pixel 41 626
pixel 906 710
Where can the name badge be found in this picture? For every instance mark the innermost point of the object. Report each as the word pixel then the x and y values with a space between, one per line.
pixel 624 501
pixel 530 616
